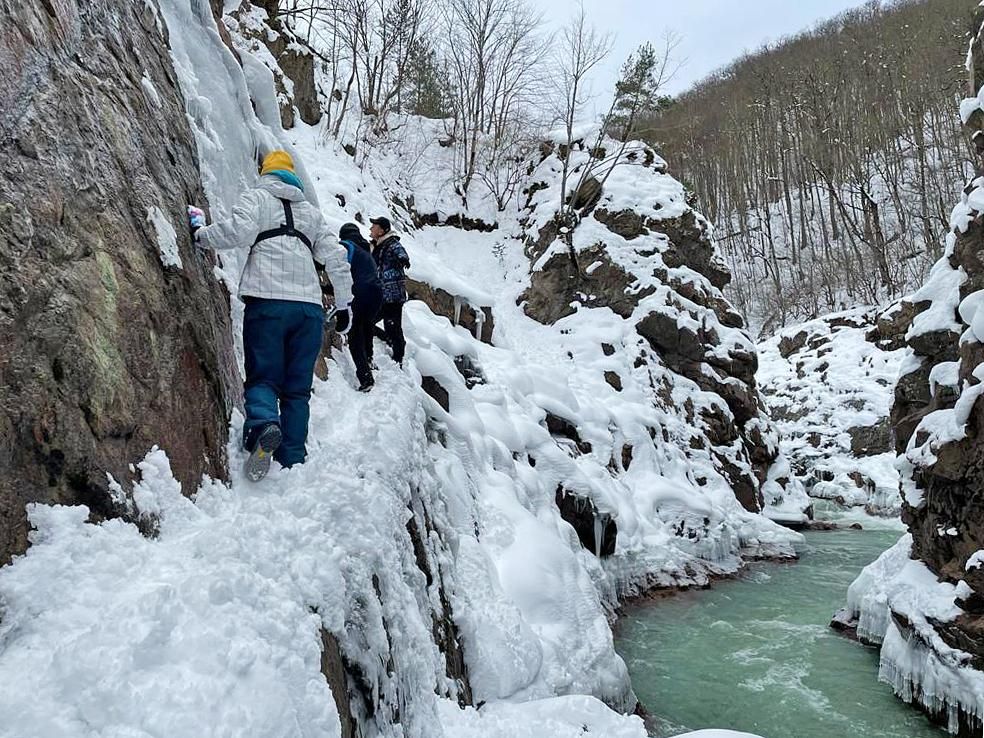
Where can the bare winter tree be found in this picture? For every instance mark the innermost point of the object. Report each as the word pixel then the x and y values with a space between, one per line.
pixel 580 49
pixel 637 93
pixel 494 49
pixel 386 58
pixel 482 66
pixel 825 160
pixel 371 47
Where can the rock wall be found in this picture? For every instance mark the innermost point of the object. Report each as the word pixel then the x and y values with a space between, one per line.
pixel 114 336
pixel 938 420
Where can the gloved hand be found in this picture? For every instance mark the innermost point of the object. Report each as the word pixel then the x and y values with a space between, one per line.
pixel 342 321
pixel 196 220
pixel 405 263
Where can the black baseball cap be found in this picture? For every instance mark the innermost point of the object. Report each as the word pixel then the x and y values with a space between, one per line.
pixel 383 223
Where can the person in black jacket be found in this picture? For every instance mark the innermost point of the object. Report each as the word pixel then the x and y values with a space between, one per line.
pixel 392 262
pixel 367 292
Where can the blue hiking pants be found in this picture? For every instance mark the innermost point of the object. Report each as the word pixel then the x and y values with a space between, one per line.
pixel 281 342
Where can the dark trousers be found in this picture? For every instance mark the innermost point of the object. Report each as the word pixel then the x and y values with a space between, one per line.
pixel 281 342
pixel 392 333
pixel 365 312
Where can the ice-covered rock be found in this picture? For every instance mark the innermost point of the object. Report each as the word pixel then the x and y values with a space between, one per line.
pixel 899 604
pixel 259 32
pixel 925 599
pixel 638 250
pixel 829 385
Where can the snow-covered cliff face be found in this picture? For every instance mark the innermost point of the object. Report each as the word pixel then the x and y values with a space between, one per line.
pixel 829 385
pixel 924 599
pixel 639 265
pixel 114 336
pixel 449 558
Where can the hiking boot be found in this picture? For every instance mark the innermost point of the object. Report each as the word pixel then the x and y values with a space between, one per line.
pixel 367 385
pixel 267 442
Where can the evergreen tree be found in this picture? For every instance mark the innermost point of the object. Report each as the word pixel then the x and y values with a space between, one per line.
pixel 427 89
pixel 637 90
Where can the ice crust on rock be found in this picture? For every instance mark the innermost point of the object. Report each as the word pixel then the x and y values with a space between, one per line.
pixel 914 659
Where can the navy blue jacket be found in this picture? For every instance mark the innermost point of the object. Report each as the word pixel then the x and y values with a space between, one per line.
pixel 366 286
pixel 391 260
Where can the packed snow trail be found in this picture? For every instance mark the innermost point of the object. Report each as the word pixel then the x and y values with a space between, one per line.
pixel 109 629
pixel 208 629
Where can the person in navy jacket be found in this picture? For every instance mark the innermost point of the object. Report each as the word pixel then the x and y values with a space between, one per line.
pixel 367 292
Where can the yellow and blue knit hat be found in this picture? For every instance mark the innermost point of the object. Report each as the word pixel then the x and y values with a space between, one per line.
pixel 277 161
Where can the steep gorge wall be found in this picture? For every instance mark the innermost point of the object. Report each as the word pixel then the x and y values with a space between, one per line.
pixel 107 345
pixel 937 658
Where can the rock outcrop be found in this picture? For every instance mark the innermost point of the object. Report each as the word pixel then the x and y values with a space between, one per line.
pixel 290 60
pixel 829 385
pixel 649 259
pixel 114 336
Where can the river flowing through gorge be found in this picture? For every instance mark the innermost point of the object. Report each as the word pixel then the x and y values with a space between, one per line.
pixel 756 653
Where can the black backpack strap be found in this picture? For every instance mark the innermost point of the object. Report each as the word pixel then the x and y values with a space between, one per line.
pixel 285 229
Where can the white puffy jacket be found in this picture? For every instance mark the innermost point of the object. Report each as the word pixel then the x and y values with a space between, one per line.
pixel 281 268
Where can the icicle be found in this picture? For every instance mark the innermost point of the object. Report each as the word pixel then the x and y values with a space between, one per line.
pixel 457 310
pixel 479 322
pixel 598 530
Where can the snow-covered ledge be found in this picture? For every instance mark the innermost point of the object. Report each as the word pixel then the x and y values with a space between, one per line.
pixel 895 602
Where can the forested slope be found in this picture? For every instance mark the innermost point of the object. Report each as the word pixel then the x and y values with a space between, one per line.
pixel 828 161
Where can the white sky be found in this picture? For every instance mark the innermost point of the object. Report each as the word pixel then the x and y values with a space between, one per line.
pixel 713 32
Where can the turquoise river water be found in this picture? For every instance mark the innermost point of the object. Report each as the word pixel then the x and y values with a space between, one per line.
pixel 756 654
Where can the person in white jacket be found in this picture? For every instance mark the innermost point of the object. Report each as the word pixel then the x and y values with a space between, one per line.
pixel 289 244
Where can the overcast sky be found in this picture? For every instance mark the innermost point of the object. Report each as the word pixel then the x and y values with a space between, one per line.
pixel 713 32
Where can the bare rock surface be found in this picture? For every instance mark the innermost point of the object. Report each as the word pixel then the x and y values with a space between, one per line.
pixel 114 336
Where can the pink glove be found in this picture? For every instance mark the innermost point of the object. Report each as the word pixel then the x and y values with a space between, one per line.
pixel 196 219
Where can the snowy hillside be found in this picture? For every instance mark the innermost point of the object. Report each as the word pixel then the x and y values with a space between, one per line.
pixel 829 384
pixel 448 560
